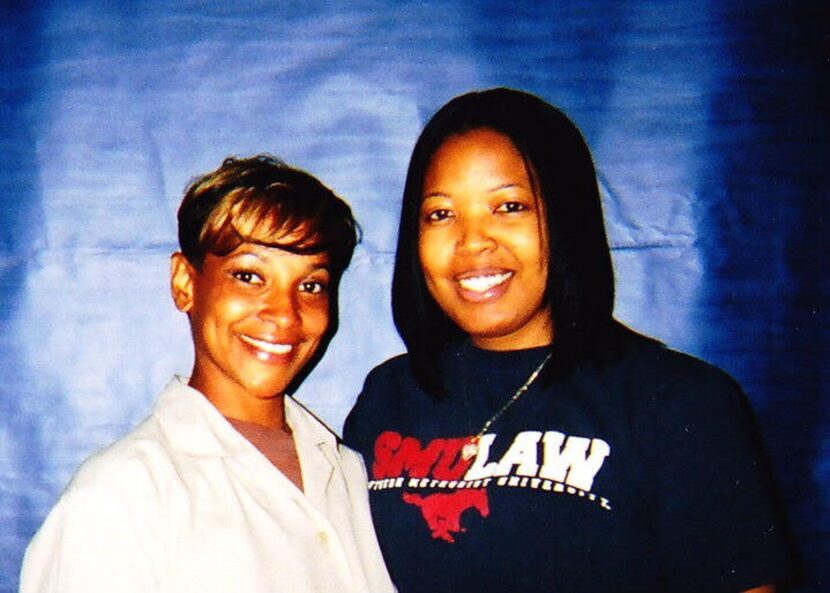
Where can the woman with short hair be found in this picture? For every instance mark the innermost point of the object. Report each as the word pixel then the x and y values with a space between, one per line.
pixel 230 484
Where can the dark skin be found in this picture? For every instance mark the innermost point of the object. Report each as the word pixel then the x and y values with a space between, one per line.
pixel 257 315
pixel 482 254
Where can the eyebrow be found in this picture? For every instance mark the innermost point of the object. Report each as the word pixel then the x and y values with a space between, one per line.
pixel 245 253
pixel 506 186
pixel 503 186
pixel 324 256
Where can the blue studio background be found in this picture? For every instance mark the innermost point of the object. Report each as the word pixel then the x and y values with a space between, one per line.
pixel 708 122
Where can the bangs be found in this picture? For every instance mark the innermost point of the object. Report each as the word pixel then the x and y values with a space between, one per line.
pixel 273 217
pixel 262 200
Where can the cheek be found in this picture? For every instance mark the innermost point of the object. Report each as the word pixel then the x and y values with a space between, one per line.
pixel 230 306
pixel 315 318
pixel 533 250
pixel 211 306
pixel 431 254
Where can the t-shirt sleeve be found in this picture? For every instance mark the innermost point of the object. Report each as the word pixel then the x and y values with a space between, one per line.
pixel 719 524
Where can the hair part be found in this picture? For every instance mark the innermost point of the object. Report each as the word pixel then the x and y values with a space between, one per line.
pixel 580 282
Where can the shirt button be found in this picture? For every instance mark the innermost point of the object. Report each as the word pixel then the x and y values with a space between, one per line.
pixel 324 539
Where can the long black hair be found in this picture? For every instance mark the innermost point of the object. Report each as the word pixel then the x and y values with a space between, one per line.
pixel 580 280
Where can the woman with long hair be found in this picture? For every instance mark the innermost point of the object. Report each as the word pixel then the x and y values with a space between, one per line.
pixel 528 441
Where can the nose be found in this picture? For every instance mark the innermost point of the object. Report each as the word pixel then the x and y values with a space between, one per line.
pixel 475 235
pixel 280 307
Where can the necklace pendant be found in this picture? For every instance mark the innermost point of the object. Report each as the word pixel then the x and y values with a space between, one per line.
pixel 470 449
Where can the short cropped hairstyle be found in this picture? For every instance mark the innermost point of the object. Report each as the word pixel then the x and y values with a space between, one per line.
pixel 263 200
pixel 580 281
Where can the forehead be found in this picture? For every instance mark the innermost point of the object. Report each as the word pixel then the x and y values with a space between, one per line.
pixel 477 156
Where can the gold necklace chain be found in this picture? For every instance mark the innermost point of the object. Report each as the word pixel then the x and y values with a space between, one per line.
pixel 470 448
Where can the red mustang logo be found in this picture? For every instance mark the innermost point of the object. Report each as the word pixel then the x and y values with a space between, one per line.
pixel 442 512
pixel 440 459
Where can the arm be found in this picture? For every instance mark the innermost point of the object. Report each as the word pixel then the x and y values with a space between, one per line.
pixel 93 541
pixel 718 519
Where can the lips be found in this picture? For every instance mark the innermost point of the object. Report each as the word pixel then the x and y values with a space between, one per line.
pixel 267 347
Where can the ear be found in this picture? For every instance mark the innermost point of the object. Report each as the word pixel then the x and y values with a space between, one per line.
pixel 182 276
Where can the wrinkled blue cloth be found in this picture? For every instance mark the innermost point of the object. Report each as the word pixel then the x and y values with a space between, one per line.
pixel 707 121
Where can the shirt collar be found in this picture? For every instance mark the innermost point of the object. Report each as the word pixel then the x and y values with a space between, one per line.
pixel 196 427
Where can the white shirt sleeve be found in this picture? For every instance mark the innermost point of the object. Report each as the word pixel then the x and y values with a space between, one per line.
pixel 92 542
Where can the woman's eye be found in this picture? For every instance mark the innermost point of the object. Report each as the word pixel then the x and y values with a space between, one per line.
pixel 247 277
pixel 438 215
pixel 511 207
pixel 312 287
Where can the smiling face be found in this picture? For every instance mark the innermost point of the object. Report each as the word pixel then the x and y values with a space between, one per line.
pixel 482 242
pixel 257 316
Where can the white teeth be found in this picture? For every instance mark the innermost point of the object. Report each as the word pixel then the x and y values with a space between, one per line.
pixel 483 283
pixel 267 346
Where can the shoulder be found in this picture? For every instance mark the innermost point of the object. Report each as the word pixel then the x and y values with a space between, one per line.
pixel 112 487
pixel 316 429
pixel 694 408
pixel 129 471
pixel 349 460
pixel 671 391
pixel 111 514
pixel 353 466
pixel 385 392
pixel 391 379
pixel 659 369
pixel 396 369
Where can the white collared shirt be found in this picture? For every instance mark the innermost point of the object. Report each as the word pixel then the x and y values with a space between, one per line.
pixel 184 503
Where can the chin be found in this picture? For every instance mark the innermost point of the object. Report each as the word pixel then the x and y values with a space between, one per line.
pixel 487 331
pixel 267 389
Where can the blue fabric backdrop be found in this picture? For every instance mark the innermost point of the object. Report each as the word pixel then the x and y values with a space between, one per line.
pixel 708 122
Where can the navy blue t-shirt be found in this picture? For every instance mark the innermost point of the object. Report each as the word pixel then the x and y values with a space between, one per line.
pixel 643 474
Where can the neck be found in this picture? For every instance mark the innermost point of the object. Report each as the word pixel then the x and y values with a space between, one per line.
pixel 539 332
pixel 272 416
pixel 241 405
